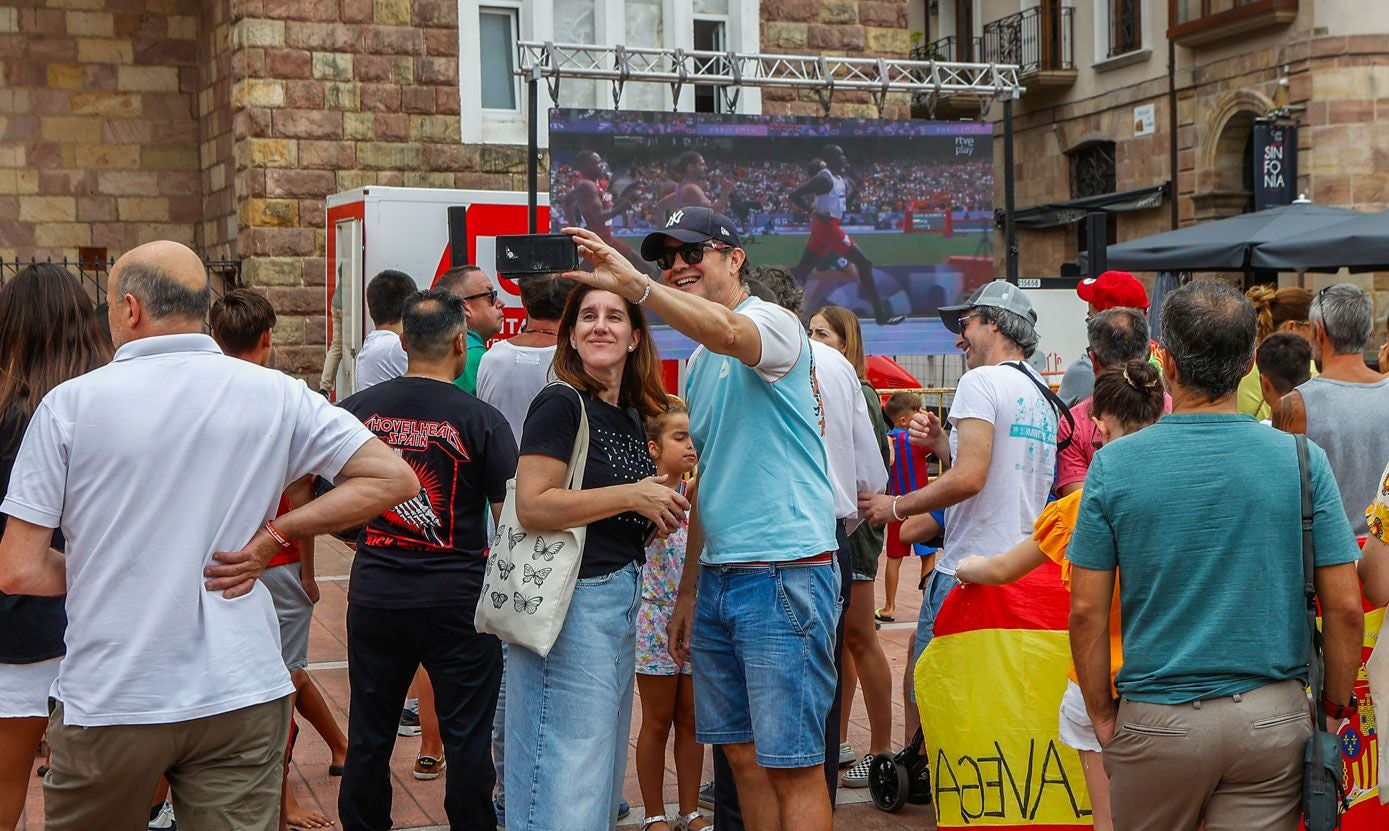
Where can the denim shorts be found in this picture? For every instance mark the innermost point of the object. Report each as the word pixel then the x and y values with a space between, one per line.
pixel 763 654
pixel 938 585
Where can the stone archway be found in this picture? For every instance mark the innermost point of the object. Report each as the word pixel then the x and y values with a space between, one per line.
pixel 1224 184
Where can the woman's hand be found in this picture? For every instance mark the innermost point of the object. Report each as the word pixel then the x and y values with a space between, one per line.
pixel 662 505
pixel 611 271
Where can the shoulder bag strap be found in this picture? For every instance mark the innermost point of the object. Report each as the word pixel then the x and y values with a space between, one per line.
pixel 578 458
pixel 1309 591
pixel 1062 411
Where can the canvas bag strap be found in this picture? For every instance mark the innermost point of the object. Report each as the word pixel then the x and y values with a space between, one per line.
pixel 578 458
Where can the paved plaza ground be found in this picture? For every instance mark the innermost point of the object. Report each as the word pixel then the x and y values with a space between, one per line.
pixel 419 805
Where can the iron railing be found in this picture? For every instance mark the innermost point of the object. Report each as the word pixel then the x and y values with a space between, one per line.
pixel 222 275
pixel 948 48
pixel 1125 27
pixel 1040 39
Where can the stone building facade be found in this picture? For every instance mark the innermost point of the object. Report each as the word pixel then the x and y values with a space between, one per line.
pixel 1325 61
pixel 223 124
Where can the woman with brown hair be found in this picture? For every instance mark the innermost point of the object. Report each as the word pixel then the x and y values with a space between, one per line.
pixel 49 333
pixel 1279 310
pixel 567 739
pixel 864 659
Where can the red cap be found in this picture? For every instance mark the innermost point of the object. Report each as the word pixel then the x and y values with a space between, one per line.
pixel 1112 289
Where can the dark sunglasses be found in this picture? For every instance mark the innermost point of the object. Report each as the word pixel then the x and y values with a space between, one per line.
pixel 692 254
pixel 490 294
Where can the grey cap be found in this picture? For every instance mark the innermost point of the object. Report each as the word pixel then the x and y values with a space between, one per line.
pixel 1000 294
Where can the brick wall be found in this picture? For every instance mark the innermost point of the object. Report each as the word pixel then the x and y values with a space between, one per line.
pixel 98 141
pixel 843 28
pixel 217 227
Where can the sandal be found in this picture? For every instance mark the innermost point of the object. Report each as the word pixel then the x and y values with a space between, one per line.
pixel 683 823
pixel 878 615
pixel 650 821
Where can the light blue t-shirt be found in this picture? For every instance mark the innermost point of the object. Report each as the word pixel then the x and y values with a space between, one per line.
pixel 1202 513
pixel 764 489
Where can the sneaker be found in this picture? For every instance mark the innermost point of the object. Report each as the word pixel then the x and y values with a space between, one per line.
pixel 857 776
pixel 847 756
pixel 706 795
pixel 499 808
pixel 623 808
pixel 162 818
pixel 409 723
pixel 428 767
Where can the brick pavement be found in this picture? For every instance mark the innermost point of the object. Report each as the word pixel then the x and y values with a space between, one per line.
pixel 419 805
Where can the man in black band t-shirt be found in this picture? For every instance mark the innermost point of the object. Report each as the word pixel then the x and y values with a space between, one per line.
pixel 418 572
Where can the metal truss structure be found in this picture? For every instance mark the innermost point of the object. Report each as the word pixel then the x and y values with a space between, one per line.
pixel 927 81
pixel 734 71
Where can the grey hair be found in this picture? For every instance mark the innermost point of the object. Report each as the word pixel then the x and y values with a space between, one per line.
pixel 1117 336
pixel 161 295
pixel 780 287
pixel 1347 314
pixel 1012 326
pixel 1208 328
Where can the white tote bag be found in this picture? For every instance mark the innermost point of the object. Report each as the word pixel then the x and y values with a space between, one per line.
pixel 531 572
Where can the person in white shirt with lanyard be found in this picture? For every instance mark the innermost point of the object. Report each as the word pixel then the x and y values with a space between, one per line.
pixel 1002 450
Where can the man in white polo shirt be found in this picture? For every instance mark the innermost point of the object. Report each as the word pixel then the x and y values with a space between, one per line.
pixel 163 470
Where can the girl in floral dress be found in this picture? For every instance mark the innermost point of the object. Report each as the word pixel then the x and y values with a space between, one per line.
pixel 667 693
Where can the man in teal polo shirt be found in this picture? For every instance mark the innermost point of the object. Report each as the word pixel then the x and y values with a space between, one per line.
pixel 1201 515
pixel 758 609
pixel 483 310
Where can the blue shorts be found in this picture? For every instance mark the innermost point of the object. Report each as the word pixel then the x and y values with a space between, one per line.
pixel 937 587
pixel 762 647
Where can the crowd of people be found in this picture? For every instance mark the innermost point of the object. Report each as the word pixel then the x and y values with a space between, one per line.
pixel 758 191
pixel 163 488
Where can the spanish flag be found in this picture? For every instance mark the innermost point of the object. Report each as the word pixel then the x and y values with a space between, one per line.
pixel 989 687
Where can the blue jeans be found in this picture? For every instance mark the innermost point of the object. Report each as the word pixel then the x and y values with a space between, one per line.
pixel 571 712
pixel 763 655
pixel 937 587
pixel 499 737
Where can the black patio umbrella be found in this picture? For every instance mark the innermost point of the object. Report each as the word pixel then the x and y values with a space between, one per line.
pixel 1224 244
pixel 1360 243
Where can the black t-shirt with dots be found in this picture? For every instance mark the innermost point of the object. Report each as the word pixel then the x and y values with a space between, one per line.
pixel 617 455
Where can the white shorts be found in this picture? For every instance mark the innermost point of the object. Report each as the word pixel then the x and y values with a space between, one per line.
pixel 1076 730
pixel 24 688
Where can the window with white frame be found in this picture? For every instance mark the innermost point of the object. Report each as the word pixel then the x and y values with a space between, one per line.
pixel 493 99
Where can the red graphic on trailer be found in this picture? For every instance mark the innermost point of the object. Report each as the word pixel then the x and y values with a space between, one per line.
pixel 435 451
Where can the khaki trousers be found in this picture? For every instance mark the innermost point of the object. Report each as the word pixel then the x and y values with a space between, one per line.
pixel 225 771
pixel 1233 762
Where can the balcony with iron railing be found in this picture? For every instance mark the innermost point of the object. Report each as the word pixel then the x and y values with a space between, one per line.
pixel 1039 40
pixel 949 49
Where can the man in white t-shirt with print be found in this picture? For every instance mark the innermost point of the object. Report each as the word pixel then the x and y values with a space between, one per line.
pixel 381 357
pixel 1001 448
pixel 163 470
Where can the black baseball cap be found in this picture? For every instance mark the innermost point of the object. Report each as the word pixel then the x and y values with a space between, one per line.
pixel 691 225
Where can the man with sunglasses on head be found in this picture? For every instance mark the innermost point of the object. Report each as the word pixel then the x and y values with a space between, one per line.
pixel 483 311
pixel 756 611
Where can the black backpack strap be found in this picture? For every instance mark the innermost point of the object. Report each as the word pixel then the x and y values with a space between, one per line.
pixel 1062 411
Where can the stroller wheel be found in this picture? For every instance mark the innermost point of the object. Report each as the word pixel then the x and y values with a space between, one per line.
pixel 888 783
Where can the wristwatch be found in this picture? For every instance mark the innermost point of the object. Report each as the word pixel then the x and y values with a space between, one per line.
pixel 1340 712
